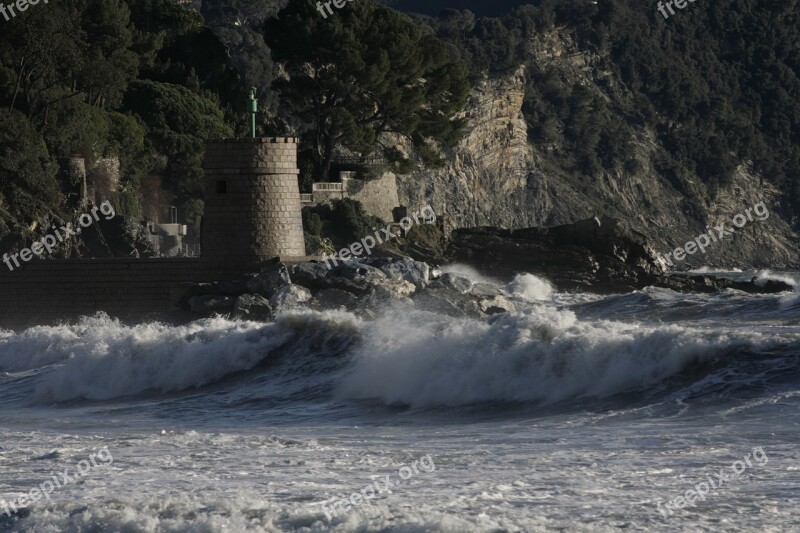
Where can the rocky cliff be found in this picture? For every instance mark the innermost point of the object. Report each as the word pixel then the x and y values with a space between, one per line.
pixel 497 176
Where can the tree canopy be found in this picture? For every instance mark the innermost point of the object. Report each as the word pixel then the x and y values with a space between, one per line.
pixel 364 72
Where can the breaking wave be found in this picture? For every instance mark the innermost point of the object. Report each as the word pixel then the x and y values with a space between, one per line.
pixel 406 357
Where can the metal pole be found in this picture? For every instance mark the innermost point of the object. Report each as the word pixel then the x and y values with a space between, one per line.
pixel 253 111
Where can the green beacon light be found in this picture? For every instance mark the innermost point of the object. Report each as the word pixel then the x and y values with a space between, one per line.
pixel 253 111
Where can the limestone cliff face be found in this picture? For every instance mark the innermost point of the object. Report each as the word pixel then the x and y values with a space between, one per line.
pixel 497 177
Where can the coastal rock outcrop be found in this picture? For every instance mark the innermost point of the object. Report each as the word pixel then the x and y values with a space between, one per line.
pixel 363 286
pixel 598 255
pixel 499 175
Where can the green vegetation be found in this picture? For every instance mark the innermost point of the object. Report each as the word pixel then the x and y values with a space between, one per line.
pixel 144 81
pixel 27 175
pixel 149 81
pixel 344 222
pixel 364 72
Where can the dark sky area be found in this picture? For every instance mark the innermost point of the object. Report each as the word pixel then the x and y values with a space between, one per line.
pixel 489 8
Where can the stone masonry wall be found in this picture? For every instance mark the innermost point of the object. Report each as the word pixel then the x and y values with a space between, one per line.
pixel 252 201
pixel 46 291
pixel 378 196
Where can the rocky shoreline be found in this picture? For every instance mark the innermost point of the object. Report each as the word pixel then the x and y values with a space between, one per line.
pixel 598 255
pixel 595 255
pixel 363 286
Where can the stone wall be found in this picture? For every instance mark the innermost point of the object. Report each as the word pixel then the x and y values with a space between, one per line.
pixel 252 201
pixel 378 196
pixel 52 290
pixel 46 291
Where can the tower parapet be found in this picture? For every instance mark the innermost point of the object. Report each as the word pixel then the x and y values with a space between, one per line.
pixel 252 201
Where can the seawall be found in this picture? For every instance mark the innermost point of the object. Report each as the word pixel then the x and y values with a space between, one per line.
pixel 56 290
pixel 47 291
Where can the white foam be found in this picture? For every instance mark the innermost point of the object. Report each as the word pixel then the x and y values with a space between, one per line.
pixel 711 270
pixel 763 276
pixel 99 358
pixel 530 287
pixel 468 272
pixel 544 355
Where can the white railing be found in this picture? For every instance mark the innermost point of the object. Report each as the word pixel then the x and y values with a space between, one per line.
pixel 306 198
pixel 328 187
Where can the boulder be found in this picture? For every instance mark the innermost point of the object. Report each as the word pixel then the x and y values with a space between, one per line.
pixel 253 307
pixel 393 289
pixel 493 305
pixel 357 271
pixel 452 282
pixel 335 299
pixel 485 290
pixel 310 275
pixel 271 278
pixel 353 277
pixel 402 268
pixel 289 296
pixel 447 302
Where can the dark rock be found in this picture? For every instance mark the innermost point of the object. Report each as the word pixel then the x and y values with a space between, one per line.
pixel 402 268
pixel 597 255
pixel 335 299
pixel 289 296
pixel 712 284
pixel 351 276
pixel 271 278
pixel 393 289
pixel 211 304
pixel 310 275
pixel 381 298
pixel 447 302
pixel 357 271
pixel 253 307
pixel 485 290
pixel 355 287
pixel 452 282
pixel 492 305
pixel 773 286
pixel 361 277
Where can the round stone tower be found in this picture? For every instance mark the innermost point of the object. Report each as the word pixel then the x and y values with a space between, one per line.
pixel 252 202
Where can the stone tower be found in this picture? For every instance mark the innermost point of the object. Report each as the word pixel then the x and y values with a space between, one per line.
pixel 252 202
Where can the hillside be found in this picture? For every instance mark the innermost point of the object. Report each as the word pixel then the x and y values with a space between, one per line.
pixel 574 109
pixel 608 109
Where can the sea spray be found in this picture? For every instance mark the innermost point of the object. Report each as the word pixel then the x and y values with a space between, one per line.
pixel 544 355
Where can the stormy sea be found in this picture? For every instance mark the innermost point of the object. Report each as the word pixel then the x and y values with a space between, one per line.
pixel 646 411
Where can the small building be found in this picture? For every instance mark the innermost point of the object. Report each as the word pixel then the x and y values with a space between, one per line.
pixel 167 238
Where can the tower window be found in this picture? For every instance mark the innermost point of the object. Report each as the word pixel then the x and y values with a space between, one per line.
pixel 222 187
